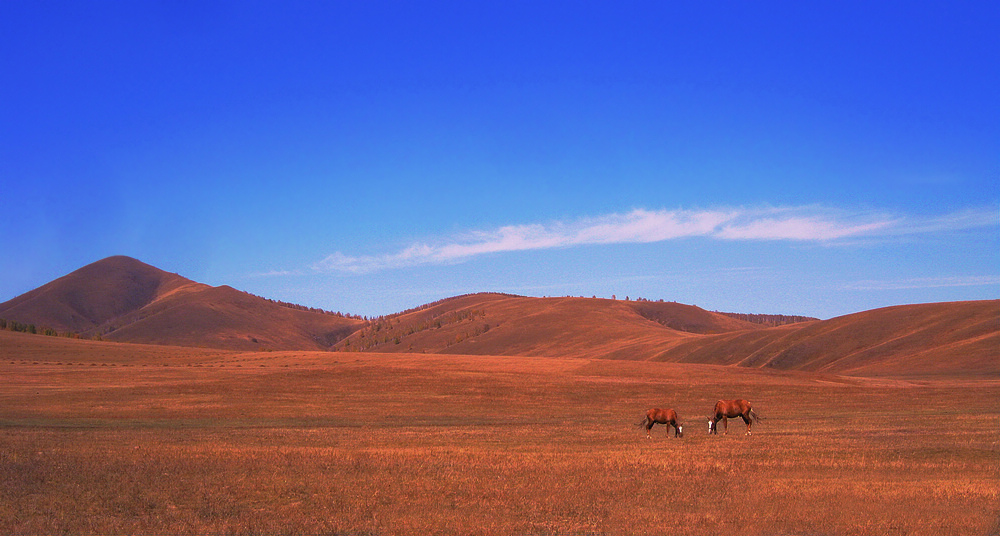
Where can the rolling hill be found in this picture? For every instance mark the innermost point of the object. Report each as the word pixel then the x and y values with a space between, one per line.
pixel 906 339
pixel 502 324
pixel 123 299
pixel 915 339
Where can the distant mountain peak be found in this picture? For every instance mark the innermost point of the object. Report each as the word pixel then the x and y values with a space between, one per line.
pixel 122 298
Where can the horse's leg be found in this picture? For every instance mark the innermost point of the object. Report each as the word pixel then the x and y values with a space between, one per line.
pixel 747 420
pixel 648 428
pixel 725 425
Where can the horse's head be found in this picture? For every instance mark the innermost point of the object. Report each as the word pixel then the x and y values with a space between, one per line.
pixel 680 430
pixel 711 425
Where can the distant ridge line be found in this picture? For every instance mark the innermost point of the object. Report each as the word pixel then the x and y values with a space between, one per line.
pixel 769 320
pixel 124 300
pixel 448 299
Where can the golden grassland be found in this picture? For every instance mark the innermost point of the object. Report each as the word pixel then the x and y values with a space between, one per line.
pixel 116 439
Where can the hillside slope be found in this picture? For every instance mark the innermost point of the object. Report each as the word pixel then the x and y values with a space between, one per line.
pixel 95 294
pixel 921 339
pixel 907 339
pixel 123 299
pixel 500 324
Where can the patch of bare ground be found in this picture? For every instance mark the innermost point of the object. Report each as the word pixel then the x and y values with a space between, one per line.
pixel 334 443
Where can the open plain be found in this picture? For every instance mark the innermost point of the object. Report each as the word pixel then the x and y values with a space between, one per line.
pixel 419 268
pixel 116 438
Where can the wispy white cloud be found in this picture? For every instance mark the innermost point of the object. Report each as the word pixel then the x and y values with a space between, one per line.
pixel 812 224
pixel 926 282
pixel 956 221
pixel 803 224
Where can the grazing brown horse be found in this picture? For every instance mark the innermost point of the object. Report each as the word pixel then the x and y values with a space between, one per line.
pixel 725 409
pixel 666 417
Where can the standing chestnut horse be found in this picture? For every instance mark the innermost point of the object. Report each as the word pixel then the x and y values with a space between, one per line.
pixel 724 409
pixel 666 417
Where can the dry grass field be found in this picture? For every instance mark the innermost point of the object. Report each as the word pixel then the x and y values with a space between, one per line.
pixel 103 438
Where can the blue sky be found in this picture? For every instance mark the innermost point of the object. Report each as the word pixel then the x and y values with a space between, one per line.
pixel 815 158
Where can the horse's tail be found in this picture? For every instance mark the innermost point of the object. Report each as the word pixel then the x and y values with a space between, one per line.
pixel 754 416
pixel 645 421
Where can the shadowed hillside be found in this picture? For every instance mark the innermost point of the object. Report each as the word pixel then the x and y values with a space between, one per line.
pixel 95 294
pixel 122 299
pixel 947 338
pixel 907 339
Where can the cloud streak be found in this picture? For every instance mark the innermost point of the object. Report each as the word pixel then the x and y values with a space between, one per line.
pixel 800 224
pixel 927 282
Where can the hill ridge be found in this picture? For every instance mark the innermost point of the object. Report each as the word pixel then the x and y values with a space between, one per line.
pixel 123 299
pixel 485 322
